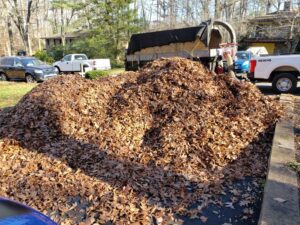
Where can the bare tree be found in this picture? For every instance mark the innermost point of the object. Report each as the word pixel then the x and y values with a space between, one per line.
pixel 218 9
pixel 8 22
pixel 67 11
pixel 21 13
pixel 205 9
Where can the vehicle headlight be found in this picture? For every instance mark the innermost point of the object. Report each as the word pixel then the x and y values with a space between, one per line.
pixel 38 71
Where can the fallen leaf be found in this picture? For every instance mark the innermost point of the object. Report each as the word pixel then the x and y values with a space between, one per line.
pixel 229 205
pixel 280 200
pixel 203 219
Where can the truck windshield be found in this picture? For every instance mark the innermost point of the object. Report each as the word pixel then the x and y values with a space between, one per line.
pixel 242 55
pixel 31 62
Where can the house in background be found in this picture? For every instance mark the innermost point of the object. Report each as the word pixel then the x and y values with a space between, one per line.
pixel 277 31
pixel 56 40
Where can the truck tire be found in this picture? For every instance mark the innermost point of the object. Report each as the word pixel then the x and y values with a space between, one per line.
pixel 29 78
pixel 84 67
pixel 284 83
pixel 59 72
pixel 3 77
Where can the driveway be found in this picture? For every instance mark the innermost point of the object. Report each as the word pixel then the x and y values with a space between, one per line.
pixel 266 88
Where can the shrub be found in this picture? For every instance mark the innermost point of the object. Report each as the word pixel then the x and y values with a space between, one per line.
pixel 115 64
pixel 95 74
pixel 57 52
pixel 44 56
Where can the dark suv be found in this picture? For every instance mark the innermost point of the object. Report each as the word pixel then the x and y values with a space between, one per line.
pixel 25 68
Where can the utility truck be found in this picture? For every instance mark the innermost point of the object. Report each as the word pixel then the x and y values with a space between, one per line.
pixel 199 43
pixel 81 63
pixel 282 71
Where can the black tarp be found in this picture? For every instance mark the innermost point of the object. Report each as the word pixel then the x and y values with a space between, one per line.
pixel 166 37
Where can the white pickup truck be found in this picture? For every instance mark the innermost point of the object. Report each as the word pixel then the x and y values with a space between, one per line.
pixel 282 71
pixel 75 62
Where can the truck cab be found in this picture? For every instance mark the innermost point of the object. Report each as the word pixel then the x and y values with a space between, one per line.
pixel 242 61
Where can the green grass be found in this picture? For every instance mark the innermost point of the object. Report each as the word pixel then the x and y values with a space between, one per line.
pixel 12 92
pixel 115 71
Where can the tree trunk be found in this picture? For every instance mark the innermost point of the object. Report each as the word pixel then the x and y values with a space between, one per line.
pixel 10 36
pixel 268 7
pixel 205 10
pixel 172 18
pixel 188 11
pixel 62 28
pixel 218 9
pixel 244 5
pixel 292 40
pixel 27 39
pixel 143 14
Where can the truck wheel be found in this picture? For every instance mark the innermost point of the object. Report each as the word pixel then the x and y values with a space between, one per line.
pixel 59 72
pixel 3 77
pixel 284 83
pixel 84 67
pixel 29 78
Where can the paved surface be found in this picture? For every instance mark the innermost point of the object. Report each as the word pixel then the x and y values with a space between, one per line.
pixel 266 88
pixel 237 213
pixel 281 196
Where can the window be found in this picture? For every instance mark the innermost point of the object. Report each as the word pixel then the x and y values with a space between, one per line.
pixel 31 62
pixel 80 57
pixel 242 55
pixel 2 61
pixel 67 58
pixel 9 62
pixel 18 63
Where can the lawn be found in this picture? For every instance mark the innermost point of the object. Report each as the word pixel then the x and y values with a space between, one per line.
pixel 12 92
pixel 116 71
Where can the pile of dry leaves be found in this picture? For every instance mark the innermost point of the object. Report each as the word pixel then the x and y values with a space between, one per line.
pixel 135 148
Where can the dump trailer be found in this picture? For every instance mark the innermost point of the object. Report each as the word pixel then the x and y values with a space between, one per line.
pixel 199 43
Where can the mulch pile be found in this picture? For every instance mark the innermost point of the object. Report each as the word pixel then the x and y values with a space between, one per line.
pixel 136 148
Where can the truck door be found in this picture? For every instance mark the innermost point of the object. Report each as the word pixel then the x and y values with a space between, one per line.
pixel 66 64
pixel 19 69
pixel 76 62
